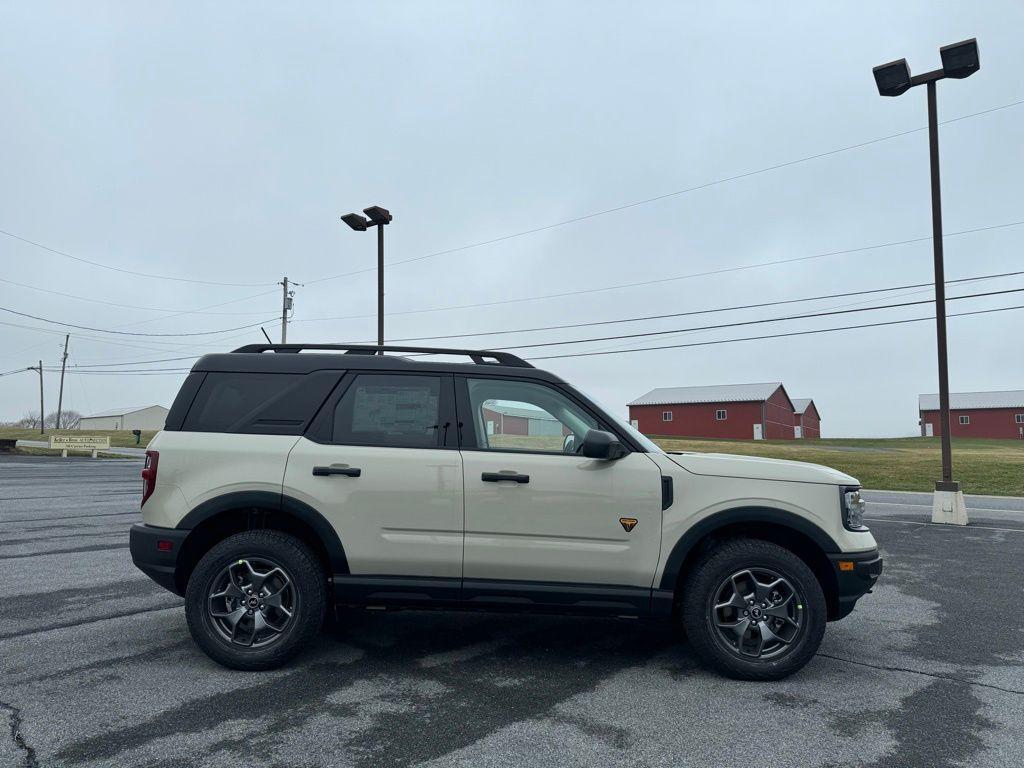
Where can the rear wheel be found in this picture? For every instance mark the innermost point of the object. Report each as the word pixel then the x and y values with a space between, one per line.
pixel 255 599
pixel 753 610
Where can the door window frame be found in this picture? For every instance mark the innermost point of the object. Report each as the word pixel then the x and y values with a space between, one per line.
pixel 467 429
pixel 321 428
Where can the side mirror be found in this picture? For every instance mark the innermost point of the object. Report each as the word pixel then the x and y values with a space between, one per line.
pixel 569 443
pixel 602 445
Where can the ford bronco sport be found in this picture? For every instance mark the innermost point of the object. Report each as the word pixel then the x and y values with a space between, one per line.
pixel 291 479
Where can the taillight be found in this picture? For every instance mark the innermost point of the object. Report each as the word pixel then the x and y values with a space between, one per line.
pixel 149 475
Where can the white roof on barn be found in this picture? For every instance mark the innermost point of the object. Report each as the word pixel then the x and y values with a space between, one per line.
pixel 513 410
pixel 800 404
pixel 967 400
pixel 723 393
pixel 120 411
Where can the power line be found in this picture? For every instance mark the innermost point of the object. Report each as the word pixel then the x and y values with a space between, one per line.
pixel 114 303
pixel 139 370
pixel 719 326
pixel 199 309
pixel 656 281
pixel 133 362
pixel 128 333
pixel 656 198
pixel 638 319
pixel 128 271
pixel 775 335
pixel 706 311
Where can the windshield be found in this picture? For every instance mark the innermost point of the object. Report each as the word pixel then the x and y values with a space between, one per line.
pixel 645 442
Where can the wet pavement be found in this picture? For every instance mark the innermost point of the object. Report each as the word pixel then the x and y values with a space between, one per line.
pixel 97 667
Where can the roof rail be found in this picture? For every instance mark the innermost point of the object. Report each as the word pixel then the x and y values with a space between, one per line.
pixel 478 356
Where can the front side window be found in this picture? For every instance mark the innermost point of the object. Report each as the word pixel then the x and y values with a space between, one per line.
pixel 666 415
pixel 513 415
pixel 720 414
pixel 1019 418
pixel 389 411
pixel 965 419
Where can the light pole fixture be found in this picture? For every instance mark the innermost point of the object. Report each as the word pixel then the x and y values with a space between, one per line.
pixel 375 217
pixel 959 60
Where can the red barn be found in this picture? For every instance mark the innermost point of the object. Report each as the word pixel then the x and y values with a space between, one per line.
pixel 729 411
pixel 808 420
pixel 975 414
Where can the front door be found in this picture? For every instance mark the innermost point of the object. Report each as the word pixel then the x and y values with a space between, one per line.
pixel 381 464
pixel 538 512
pixel 758 432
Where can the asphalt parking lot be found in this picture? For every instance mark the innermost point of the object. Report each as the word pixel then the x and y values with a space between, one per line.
pixel 97 668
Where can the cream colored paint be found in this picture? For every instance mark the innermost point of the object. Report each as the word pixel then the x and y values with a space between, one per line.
pixel 563 525
pixel 406 514
pixel 403 516
pixel 698 497
pixel 205 465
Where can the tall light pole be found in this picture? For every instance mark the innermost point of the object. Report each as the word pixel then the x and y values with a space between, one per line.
pixel 959 60
pixel 375 217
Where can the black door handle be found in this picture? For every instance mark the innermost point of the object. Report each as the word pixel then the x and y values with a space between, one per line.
pixel 498 477
pixel 347 471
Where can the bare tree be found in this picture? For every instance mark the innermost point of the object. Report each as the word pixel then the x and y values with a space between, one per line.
pixel 29 421
pixel 69 419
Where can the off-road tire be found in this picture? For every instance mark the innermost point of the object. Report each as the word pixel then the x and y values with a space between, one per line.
pixel 307 577
pixel 699 592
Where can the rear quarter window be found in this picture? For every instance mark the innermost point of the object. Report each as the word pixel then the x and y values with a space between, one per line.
pixel 257 403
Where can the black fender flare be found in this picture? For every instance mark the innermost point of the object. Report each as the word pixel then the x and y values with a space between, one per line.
pixel 721 519
pixel 277 502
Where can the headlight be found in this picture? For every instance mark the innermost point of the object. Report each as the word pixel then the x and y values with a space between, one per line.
pixel 853 509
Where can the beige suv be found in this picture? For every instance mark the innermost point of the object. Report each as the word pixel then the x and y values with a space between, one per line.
pixel 290 479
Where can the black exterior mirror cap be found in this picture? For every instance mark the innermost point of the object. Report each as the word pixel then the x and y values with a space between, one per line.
pixel 598 444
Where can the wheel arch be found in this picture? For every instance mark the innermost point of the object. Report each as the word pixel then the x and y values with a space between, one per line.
pixel 222 516
pixel 802 537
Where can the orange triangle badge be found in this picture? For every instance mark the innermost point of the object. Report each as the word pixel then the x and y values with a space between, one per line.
pixel 628 523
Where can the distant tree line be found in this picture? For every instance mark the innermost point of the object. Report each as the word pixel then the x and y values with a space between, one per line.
pixel 69 419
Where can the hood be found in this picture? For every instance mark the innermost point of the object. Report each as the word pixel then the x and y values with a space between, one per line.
pixel 755 468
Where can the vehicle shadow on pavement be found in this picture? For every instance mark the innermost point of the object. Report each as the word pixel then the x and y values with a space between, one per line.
pixel 401 688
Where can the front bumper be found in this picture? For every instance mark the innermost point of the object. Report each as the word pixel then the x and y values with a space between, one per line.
pixel 856 573
pixel 149 547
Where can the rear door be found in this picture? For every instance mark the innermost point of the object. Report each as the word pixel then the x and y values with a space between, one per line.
pixel 381 464
pixel 559 518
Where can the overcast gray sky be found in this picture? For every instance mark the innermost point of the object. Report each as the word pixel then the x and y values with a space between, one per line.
pixel 221 142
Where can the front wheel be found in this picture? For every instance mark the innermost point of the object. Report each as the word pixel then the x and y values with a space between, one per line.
pixel 753 610
pixel 255 599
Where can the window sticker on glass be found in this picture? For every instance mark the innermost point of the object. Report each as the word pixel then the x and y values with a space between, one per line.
pixel 404 410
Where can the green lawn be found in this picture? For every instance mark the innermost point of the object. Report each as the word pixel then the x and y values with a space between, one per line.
pixel 900 464
pixel 118 439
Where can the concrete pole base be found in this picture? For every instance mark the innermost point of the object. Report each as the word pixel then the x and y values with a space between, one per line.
pixel 948 504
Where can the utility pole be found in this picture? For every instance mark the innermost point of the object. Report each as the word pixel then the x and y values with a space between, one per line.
pixel 42 410
pixel 286 306
pixel 63 365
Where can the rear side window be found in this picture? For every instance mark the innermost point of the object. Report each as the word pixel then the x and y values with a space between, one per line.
pixel 228 399
pixel 391 411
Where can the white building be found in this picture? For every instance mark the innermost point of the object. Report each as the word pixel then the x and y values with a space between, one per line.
pixel 149 417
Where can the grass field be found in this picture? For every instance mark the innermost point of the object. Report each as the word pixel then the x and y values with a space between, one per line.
pixel 901 464
pixel 117 439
